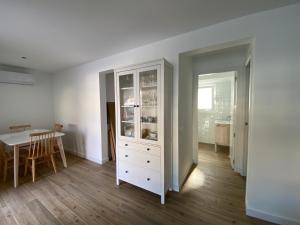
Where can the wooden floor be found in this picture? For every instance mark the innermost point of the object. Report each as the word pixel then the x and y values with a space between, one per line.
pixel 86 193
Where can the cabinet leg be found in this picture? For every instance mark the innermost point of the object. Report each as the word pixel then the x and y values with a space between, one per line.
pixel 118 182
pixel 162 199
pixel 216 148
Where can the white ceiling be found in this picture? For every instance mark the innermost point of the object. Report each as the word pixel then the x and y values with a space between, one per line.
pixel 57 34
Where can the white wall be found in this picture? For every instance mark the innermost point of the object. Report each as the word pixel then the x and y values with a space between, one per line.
pixel 273 180
pixel 77 107
pixel 185 124
pixel 27 104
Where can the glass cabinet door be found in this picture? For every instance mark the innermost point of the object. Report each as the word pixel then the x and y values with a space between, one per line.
pixel 148 103
pixel 127 104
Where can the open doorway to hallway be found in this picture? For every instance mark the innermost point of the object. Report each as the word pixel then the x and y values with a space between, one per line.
pixel 225 124
pixel 107 115
pixel 220 104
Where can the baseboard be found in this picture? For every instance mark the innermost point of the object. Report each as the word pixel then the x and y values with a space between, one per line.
pixel 90 158
pixel 176 188
pixel 104 161
pixel 270 217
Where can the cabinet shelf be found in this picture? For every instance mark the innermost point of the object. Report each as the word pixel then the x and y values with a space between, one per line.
pixel 148 86
pixel 152 123
pixel 126 88
pixel 148 106
pixel 125 121
pixel 127 106
pixel 150 138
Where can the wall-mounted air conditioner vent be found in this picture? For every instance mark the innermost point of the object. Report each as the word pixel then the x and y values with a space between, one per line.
pixel 8 77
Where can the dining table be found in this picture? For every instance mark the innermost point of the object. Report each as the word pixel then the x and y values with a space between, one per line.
pixel 15 140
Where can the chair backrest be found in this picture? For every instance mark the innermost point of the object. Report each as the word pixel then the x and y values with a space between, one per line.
pixel 41 144
pixel 19 128
pixel 58 127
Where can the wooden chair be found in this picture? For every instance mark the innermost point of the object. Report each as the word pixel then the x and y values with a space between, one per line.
pixel 57 128
pixel 40 151
pixel 7 160
pixel 19 128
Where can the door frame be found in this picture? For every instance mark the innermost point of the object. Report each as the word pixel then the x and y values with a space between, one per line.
pixel 103 114
pixel 249 56
pixel 248 108
pixel 234 88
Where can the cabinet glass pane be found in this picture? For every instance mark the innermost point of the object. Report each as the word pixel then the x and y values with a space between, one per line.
pixel 126 85
pixel 148 104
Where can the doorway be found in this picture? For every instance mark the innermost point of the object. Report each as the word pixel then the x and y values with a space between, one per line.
pixel 220 163
pixel 107 115
pixel 214 63
pixel 216 113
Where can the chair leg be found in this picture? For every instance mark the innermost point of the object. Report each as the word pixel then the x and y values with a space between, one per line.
pixel 26 167
pixel 5 170
pixel 53 163
pixel 33 170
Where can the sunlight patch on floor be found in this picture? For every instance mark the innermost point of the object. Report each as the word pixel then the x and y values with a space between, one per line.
pixel 195 180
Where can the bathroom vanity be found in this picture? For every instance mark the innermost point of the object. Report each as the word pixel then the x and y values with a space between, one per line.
pixel 222 133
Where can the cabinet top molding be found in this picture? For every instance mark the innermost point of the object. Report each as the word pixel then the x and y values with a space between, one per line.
pixel 144 64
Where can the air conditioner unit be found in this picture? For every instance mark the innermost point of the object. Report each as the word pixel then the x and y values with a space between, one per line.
pixel 8 77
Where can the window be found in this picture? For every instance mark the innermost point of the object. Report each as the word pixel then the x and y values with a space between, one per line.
pixel 205 98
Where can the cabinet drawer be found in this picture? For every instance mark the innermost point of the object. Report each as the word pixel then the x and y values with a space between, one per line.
pixel 141 177
pixel 139 158
pixel 153 150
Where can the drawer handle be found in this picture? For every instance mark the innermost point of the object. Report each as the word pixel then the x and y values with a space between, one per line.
pixel 148 179
pixel 148 149
pixel 126 144
pixel 126 156
pixel 148 161
pixel 126 171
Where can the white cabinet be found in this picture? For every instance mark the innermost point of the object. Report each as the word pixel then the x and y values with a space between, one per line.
pixel 144 125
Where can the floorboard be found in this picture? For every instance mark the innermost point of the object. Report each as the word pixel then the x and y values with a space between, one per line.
pixel 86 193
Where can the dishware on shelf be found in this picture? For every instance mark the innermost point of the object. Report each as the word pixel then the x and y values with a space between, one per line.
pixel 145 133
pixel 129 131
pixel 148 119
pixel 153 135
